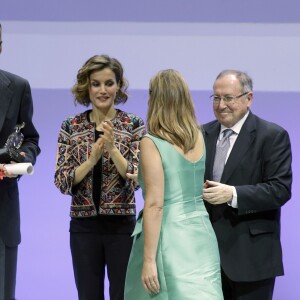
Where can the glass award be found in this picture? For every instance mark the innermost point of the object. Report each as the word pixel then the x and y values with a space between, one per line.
pixel 10 151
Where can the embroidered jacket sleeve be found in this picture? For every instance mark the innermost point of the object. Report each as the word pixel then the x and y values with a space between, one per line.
pixel 138 131
pixel 65 166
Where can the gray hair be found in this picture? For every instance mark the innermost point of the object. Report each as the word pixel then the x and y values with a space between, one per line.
pixel 244 79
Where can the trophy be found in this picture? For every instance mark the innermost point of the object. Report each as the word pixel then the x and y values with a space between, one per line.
pixel 10 151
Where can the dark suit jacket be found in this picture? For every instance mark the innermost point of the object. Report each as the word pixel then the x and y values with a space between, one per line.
pixel 15 107
pixel 259 166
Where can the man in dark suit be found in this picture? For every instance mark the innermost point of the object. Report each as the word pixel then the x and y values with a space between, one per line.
pixel 15 108
pixel 245 199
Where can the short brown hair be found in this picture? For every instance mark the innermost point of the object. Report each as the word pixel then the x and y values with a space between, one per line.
pixel 97 63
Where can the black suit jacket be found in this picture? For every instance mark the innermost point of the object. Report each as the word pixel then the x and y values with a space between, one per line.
pixel 15 107
pixel 259 166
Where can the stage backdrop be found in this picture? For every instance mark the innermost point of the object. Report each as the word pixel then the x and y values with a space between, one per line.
pixel 47 42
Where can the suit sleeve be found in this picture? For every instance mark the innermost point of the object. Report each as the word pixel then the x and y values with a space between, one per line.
pixel 31 136
pixel 273 189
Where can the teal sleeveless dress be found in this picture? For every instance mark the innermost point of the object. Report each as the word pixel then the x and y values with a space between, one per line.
pixel 187 258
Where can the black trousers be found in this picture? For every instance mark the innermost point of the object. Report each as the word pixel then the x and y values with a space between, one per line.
pixel 256 290
pixel 8 271
pixel 91 253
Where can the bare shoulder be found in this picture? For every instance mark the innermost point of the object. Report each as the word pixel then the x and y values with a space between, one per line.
pixel 147 143
pixel 149 150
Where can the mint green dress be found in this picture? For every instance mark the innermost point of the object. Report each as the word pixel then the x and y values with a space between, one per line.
pixel 187 256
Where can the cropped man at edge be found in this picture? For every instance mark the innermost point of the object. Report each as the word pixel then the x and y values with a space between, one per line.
pixel 16 107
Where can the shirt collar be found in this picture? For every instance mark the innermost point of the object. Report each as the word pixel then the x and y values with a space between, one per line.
pixel 236 127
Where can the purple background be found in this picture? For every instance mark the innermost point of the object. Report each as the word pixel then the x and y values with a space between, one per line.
pixel 45 269
pixel 267 11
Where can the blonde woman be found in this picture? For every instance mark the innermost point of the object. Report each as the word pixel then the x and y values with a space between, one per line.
pixel 175 253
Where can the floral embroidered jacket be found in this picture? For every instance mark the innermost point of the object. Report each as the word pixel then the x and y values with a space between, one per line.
pixel 75 141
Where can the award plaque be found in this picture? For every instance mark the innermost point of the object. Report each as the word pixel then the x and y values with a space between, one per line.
pixel 10 151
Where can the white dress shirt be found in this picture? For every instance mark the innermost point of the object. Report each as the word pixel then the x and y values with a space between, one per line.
pixel 236 128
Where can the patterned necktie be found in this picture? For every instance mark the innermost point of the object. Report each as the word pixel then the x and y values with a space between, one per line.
pixel 221 153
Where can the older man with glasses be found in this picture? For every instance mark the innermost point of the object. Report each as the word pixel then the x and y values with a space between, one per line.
pixel 248 178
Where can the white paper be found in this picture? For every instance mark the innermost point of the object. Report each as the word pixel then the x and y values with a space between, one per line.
pixel 19 169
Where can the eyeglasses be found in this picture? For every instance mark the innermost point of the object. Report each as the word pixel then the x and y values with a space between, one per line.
pixel 226 98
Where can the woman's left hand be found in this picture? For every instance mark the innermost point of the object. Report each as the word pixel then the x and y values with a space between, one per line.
pixel 150 278
pixel 108 136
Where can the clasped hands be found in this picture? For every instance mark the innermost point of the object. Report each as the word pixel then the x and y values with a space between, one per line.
pixel 213 192
pixel 106 139
pixel 216 192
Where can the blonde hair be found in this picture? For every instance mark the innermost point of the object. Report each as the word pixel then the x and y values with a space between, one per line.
pixel 171 113
pixel 97 63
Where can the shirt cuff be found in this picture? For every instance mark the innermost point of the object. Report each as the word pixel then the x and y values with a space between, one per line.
pixel 233 203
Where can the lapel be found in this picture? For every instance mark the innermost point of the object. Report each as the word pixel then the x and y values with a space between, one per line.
pixel 5 97
pixel 212 131
pixel 241 146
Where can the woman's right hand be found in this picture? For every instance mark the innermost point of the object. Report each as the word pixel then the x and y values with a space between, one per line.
pixel 96 151
pixel 150 278
pixel 82 170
